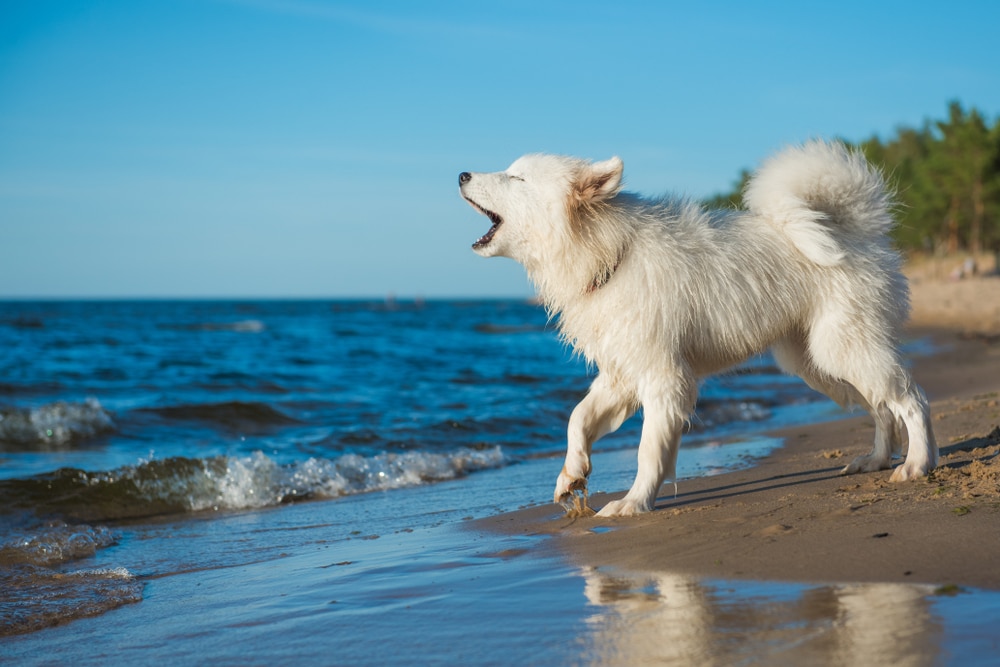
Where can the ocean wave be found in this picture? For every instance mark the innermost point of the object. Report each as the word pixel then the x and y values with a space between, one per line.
pixel 55 542
pixel 239 326
pixel 54 424
pixel 23 322
pixel 176 485
pixel 37 597
pixel 491 328
pixel 242 416
pixel 38 593
pixel 711 414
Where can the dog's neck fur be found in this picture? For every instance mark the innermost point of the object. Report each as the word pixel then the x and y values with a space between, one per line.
pixel 585 262
pixel 602 278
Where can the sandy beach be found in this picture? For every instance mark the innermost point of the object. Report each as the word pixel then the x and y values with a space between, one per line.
pixel 970 305
pixel 794 518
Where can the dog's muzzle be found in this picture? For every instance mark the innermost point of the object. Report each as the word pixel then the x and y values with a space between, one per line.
pixel 495 219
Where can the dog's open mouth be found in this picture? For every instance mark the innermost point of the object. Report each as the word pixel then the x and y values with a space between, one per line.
pixel 495 218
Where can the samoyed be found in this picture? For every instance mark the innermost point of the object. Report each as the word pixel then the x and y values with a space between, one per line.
pixel 657 293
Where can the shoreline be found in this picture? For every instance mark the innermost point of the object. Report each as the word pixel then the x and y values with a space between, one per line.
pixel 792 517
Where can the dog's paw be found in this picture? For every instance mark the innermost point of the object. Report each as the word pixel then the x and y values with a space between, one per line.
pixel 576 505
pixel 908 471
pixel 866 464
pixel 623 507
pixel 567 485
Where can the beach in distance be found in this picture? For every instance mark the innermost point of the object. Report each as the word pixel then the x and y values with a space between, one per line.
pixel 364 483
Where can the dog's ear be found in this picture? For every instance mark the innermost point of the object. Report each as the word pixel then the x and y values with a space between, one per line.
pixel 599 181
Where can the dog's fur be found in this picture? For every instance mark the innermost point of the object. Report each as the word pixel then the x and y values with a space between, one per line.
pixel 659 292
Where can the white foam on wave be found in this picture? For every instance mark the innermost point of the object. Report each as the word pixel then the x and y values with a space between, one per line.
pixel 54 423
pixel 248 326
pixel 255 481
pixel 103 573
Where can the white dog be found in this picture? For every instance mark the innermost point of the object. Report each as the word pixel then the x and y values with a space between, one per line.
pixel 659 292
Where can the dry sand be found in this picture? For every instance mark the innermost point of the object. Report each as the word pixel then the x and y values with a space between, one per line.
pixel 793 517
pixel 970 305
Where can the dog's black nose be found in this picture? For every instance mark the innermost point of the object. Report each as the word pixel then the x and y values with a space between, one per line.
pixel 464 178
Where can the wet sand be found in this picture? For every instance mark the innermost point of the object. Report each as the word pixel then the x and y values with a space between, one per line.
pixel 794 518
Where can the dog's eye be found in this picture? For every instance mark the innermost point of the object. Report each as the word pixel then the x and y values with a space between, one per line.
pixel 515 178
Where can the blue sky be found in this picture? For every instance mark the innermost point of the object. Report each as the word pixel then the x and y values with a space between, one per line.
pixel 304 148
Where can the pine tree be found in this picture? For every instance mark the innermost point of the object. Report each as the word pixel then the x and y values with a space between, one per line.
pixel 947 178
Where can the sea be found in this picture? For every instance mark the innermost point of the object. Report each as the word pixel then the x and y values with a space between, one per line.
pixel 291 482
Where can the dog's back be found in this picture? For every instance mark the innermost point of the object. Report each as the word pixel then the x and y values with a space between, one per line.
pixel 718 286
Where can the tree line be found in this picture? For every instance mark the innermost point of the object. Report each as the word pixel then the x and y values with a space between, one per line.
pixel 946 174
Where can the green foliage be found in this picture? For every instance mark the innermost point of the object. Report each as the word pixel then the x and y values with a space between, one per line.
pixel 946 175
pixel 733 198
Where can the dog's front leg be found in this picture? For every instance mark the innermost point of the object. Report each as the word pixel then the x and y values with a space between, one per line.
pixel 661 436
pixel 602 411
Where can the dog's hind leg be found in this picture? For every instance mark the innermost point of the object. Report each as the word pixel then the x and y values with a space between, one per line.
pixel 907 408
pixel 602 411
pixel 922 453
pixel 793 358
pixel 663 421
pixel 887 443
pixel 872 366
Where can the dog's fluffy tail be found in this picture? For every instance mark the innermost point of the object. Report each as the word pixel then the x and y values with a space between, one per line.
pixel 823 197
